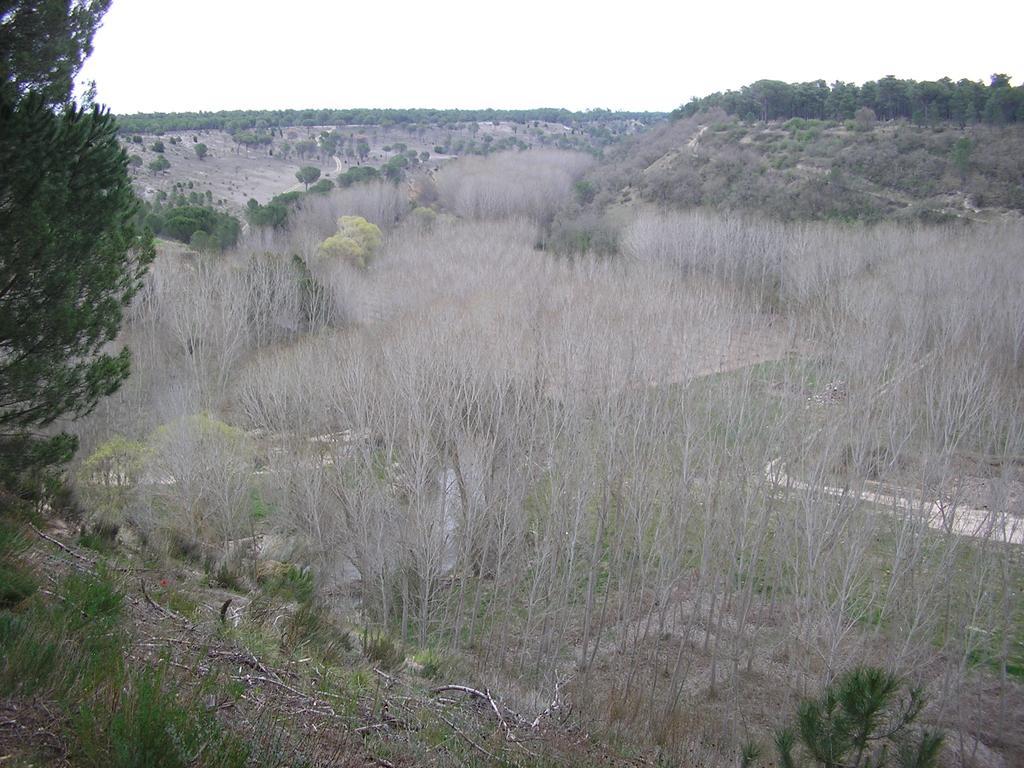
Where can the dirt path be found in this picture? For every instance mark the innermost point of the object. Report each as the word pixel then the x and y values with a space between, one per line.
pixel 694 141
pixel 939 515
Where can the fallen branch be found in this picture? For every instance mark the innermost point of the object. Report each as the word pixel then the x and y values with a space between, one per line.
pixel 242 657
pixel 161 609
pixel 484 695
pixel 64 547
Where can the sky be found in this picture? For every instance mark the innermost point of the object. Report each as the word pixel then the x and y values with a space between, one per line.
pixel 638 55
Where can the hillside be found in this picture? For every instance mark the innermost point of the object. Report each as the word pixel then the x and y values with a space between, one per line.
pixel 820 169
pixel 255 156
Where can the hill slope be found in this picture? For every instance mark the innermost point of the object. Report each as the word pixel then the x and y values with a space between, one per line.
pixel 821 169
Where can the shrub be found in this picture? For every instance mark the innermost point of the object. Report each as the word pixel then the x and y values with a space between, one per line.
pixel 309 630
pixel 225 578
pixel 291 583
pixel 432 663
pixel 381 650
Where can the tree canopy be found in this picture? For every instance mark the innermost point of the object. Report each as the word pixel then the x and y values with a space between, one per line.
pixel 70 256
pixel 307 174
pixel 43 44
pixel 890 98
pixel 356 241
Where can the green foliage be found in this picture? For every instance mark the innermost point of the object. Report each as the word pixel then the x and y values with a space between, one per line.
pixel 961 154
pixel 30 649
pixel 182 222
pixel 15 585
pixel 81 629
pixel 860 720
pixel 107 478
pixel 102 539
pixel 749 754
pixel 291 584
pixel 249 120
pixel 271 215
pixel 201 151
pixel 43 44
pixel 286 198
pixel 252 138
pixel 308 630
pixel 890 98
pixel 157 146
pixel 91 598
pixel 307 174
pixel 322 187
pixel 356 242
pixel 394 169
pixel 358 174
pixel 70 260
pixel 381 650
pixel 433 664
pixel 146 726
pixel 585 192
pixel 423 217
pixel 161 163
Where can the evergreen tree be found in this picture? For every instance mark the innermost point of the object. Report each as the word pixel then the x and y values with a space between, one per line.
pixel 862 720
pixel 70 256
pixel 43 44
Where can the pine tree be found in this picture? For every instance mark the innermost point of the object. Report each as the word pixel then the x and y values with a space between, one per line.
pixel 70 256
pixel 863 720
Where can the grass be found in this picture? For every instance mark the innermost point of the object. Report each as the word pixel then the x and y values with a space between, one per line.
pixel 16 586
pixel 225 578
pixel 98 541
pixel 382 650
pixel 146 725
pixel 68 647
pixel 308 631
pixel 291 584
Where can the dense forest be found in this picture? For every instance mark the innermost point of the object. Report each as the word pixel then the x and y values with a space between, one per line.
pixel 891 98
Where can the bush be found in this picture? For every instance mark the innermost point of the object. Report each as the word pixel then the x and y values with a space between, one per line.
pixel 308 630
pixel 107 479
pixel 382 651
pixel 433 664
pixel 291 583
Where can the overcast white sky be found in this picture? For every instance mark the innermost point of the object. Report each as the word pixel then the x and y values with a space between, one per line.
pixel 177 55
